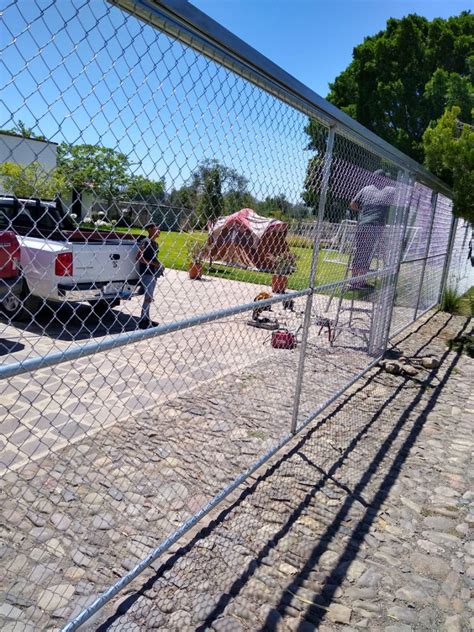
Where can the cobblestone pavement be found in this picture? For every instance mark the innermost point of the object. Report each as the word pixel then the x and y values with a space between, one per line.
pixel 365 523
pixel 80 517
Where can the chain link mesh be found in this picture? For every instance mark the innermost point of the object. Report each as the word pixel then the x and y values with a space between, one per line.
pixel 414 253
pixel 460 272
pixel 142 372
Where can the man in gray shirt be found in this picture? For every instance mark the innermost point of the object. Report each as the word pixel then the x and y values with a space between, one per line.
pixel 373 204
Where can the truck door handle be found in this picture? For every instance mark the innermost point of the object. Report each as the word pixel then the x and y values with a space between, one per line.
pixel 115 257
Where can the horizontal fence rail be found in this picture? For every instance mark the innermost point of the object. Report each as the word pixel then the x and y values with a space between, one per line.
pixel 198 255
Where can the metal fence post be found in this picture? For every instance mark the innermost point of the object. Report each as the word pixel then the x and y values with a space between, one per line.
pixel 393 279
pixel 434 199
pixel 449 256
pixel 312 275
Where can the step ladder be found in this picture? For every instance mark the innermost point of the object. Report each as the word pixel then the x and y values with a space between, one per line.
pixel 361 320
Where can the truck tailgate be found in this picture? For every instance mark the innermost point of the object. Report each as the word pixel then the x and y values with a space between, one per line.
pixel 112 260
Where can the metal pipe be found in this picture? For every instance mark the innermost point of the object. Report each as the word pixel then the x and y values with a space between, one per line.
pixel 106 596
pixel 408 185
pixel 185 22
pixel 34 364
pixel 312 276
pixel 434 199
pixel 439 254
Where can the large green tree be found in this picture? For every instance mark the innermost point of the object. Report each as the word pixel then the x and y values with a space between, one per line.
pixel 403 78
pixel 276 206
pixel 236 200
pixel 144 189
pixel 211 201
pixel 214 188
pixel 32 181
pixel 102 170
pixel 449 151
pixel 231 179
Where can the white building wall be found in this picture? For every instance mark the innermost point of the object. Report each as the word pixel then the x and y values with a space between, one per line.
pixel 24 151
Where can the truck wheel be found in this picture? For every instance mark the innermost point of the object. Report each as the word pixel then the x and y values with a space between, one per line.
pixel 11 305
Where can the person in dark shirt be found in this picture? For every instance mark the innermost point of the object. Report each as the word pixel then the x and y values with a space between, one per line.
pixel 373 204
pixel 150 269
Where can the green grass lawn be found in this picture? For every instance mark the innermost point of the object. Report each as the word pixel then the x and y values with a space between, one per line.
pixel 174 249
pixel 174 255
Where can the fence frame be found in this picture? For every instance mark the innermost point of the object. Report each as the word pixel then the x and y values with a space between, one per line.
pixel 183 21
pixel 409 182
pixel 434 200
pixel 313 271
pixel 449 256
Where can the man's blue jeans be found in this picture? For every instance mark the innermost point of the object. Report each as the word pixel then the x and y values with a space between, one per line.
pixel 149 283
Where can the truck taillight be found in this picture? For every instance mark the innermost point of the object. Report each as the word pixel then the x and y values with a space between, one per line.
pixel 63 264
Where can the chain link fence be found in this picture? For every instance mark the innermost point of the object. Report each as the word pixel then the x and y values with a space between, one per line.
pixel 459 272
pixel 144 375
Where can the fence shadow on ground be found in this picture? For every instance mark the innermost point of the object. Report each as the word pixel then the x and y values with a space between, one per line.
pixel 10 346
pixel 316 611
pixel 75 322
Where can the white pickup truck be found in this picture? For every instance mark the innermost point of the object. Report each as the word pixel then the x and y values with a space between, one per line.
pixel 63 264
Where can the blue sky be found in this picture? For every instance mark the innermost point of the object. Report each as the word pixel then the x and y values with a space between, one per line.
pixel 86 72
pixel 313 39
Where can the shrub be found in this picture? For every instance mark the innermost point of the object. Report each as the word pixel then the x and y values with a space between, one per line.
pixel 298 241
pixel 451 301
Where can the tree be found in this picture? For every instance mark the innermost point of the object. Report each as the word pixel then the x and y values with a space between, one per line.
pixel 211 184
pixel 449 153
pixel 230 179
pixel 183 198
pixel 211 202
pixel 32 181
pixel 144 189
pixel 102 170
pixel 403 78
pixel 20 129
pixel 236 200
pixel 276 206
pixel 182 203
